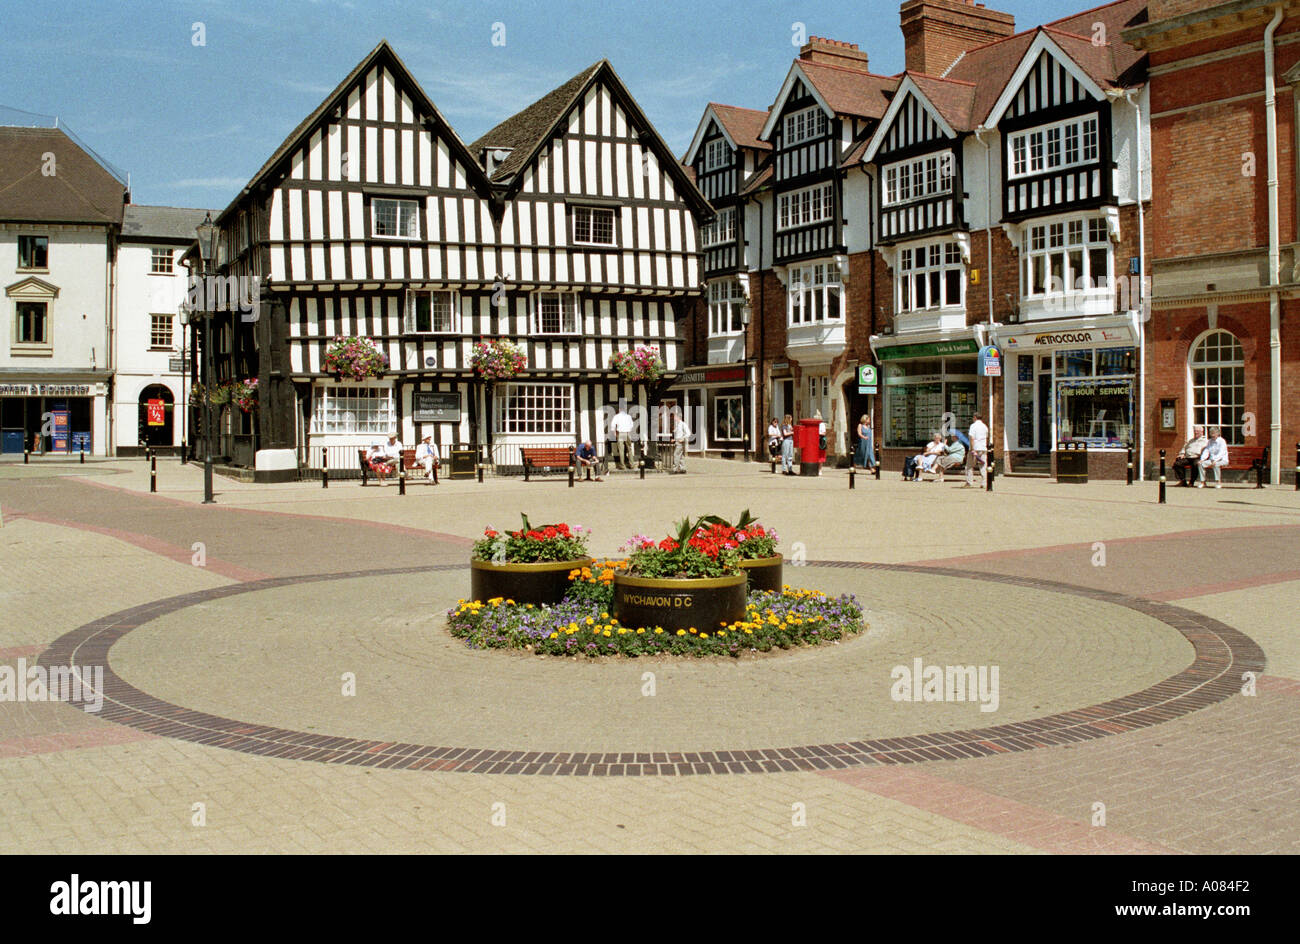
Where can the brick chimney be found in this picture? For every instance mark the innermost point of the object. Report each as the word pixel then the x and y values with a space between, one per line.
pixel 936 32
pixel 834 53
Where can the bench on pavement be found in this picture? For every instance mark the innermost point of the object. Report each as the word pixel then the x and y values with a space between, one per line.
pixel 1247 459
pixel 410 464
pixel 548 459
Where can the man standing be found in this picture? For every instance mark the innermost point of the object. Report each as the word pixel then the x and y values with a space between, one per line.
pixel 622 428
pixel 1188 463
pixel 681 433
pixel 426 456
pixel 979 449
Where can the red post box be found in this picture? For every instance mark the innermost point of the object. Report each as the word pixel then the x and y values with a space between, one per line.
pixel 807 441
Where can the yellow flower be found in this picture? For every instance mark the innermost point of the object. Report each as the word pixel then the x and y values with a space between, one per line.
pixel 681 632
pixel 750 631
pixel 590 621
pixel 704 635
pixel 658 630
pixel 606 633
pixel 604 616
pixel 640 630
pixel 692 630
pixel 554 636
pixel 722 632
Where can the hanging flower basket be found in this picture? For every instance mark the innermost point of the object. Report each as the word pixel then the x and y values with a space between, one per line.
pixel 196 394
pixel 642 364
pixel 220 395
pixel 244 394
pixel 354 359
pixel 497 360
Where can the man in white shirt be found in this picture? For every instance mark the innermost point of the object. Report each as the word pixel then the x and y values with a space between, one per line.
pixel 426 456
pixel 622 428
pixel 681 433
pixel 979 449
pixel 393 453
pixel 1214 457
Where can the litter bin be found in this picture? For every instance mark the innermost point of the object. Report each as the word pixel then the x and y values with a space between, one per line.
pixel 1072 462
pixel 462 464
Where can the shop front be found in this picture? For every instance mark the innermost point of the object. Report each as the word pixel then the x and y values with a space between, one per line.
pixel 927 387
pixel 1074 384
pixel 59 418
pixel 720 406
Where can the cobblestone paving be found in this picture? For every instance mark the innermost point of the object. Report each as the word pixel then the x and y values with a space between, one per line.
pixel 78 547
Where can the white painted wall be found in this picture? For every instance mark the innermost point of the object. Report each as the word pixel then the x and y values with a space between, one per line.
pixel 1122 134
pixel 858 202
pixel 141 294
pixel 979 180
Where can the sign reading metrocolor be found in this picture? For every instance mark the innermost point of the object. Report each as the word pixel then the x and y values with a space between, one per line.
pixel 1086 337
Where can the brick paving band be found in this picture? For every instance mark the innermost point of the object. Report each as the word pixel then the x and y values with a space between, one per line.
pixel 1222 656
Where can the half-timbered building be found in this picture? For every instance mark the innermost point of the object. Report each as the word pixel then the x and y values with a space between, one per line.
pixel 1010 197
pixel 569 229
pixel 725 156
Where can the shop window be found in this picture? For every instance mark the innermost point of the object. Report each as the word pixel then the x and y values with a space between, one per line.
pixel 919 392
pixel 727 426
pixel 1219 384
pixel 1094 396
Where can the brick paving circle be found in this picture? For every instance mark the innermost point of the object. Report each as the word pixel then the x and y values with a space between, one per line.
pixel 1222 656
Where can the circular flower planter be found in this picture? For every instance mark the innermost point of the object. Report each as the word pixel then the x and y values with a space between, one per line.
pixel 703 603
pixel 523 583
pixel 765 573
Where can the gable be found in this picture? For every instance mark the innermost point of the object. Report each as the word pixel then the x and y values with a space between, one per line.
pixel 32 287
pixel 1045 79
pixel 911 121
pixel 796 93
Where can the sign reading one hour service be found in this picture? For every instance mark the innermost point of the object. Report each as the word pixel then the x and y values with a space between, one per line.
pixel 436 406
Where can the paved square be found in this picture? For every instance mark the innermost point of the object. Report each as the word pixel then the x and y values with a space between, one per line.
pixel 1122 631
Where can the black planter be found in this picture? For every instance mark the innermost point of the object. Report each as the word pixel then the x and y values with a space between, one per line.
pixel 704 603
pixel 523 583
pixel 765 573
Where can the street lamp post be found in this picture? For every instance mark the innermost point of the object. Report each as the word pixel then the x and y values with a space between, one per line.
pixel 744 401
pixel 207 232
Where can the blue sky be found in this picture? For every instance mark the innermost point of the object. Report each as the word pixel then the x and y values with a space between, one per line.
pixel 191 124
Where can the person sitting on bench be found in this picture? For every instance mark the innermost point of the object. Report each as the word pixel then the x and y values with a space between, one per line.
pixel 1187 465
pixel 377 460
pixel 954 456
pixel 1214 456
pixel 426 456
pixel 587 459
pixel 923 462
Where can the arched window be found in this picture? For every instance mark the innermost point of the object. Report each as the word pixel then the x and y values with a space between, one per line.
pixel 1219 384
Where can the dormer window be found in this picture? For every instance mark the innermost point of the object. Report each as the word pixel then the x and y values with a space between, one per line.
pixel 804 125
pixel 716 154
pixel 919 178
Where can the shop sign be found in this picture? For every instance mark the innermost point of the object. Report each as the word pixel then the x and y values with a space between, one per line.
pixel 156 412
pixel 175 365
pixel 990 363
pixel 868 378
pixel 712 375
pixel 927 349
pixel 430 406
pixel 50 390
pixel 1081 337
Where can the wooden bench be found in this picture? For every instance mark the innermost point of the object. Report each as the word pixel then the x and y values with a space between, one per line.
pixel 365 467
pixel 1247 459
pixel 548 458
pixel 410 464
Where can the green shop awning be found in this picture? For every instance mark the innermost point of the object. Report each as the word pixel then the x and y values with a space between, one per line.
pixel 928 349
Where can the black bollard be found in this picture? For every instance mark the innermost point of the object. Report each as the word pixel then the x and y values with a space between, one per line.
pixel 436 463
pixel 774 467
pixel 184 456
pixel 153 473
pixel 1261 470
pixel 1162 476
pixel 401 480
pixel 27 456
pixel 480 473
pixel 851 471
pixel 570 475
pixel 641 468
pixel 988 472
pixel 1129 480
pixel 1297 467
pixel 324 467
pixel 83 453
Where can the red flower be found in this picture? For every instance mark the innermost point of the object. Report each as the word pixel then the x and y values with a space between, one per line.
pixel 488 532
pixel 668 544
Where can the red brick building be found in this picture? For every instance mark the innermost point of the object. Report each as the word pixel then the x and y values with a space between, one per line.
pixel 1224 332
